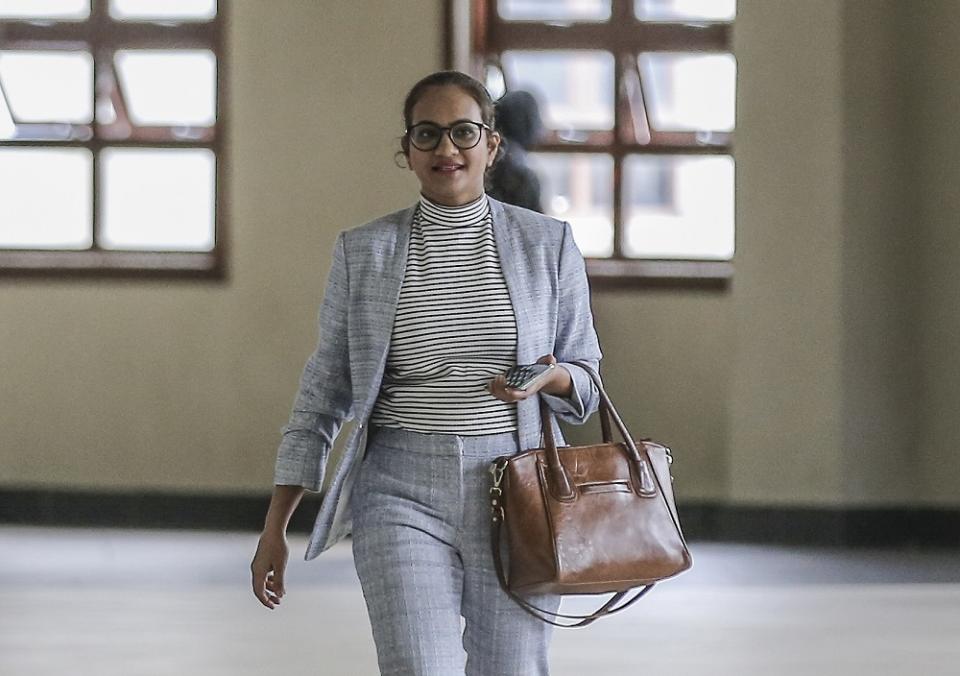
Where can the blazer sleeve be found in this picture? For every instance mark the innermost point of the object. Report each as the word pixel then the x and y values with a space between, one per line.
pixel 324 400
pixel 576 337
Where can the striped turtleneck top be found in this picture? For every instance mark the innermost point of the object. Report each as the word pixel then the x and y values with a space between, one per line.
pixel 454 328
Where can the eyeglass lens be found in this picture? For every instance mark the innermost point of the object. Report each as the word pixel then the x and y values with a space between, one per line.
pixel 426 136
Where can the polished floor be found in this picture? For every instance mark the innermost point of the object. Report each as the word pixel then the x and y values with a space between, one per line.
pixel 162 603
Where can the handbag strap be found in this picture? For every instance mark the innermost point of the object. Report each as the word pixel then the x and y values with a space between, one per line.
pixel 560 483
pixel 608 411
pixel 608 608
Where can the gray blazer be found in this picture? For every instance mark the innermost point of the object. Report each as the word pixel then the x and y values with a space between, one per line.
pixel 547 284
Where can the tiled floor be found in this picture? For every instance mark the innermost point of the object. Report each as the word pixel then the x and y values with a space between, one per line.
pixel 159 603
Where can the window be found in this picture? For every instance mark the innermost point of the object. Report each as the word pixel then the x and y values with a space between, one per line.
pixel 111 136
pixel 638 102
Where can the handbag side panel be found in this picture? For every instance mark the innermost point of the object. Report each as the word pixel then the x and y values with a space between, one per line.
pixel 661 458
pixel 531 559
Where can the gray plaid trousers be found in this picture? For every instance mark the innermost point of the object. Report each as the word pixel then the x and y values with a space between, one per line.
pixel 421 545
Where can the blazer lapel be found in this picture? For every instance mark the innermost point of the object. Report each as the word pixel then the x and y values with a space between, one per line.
pixel 510 250
pixel 381 292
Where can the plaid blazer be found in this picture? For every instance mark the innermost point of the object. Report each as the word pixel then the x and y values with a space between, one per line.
pixel 547 284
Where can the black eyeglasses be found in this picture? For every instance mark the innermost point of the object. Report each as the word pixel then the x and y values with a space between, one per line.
pixel 427 135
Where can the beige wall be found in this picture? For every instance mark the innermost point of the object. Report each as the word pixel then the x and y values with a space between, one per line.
pixel 184 385
pixel 934 142
pixel 785 394
pixel 823 369
pixel 667 367
pixel 879 284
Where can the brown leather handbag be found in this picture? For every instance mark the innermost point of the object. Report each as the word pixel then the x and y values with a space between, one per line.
pixel 586 519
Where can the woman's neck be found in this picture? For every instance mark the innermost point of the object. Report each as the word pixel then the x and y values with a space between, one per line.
pixel 446 204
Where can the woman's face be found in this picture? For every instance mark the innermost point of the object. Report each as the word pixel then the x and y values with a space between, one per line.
pixel 450 175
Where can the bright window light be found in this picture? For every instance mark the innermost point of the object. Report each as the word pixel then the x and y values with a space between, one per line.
pixel 574 86
pixel 578 188
pixel 554 10
pixel 693 214
pixel 163 10
pixel 64 10
pixel 685 10
pixel 7 128
pixel 158 199
pixel 49 86
pixel 689 92
pixel 45 198
pixel 169 87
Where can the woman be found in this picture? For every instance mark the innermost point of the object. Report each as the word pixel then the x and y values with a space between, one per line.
pixel 424 310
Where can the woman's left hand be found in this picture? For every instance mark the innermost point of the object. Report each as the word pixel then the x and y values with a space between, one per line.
pixel 557 383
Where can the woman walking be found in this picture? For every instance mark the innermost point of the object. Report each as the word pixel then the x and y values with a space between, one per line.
pixel 424 310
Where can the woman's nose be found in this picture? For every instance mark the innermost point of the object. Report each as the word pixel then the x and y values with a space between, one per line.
pixel 446 146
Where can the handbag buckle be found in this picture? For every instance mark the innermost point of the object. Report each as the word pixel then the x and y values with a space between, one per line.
pixel 497 468
pixel 496 505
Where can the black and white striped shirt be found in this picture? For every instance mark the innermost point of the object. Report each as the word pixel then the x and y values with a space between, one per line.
pixel 454 329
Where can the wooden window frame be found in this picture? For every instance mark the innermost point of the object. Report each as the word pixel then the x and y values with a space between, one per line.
pixel 476 23
pixel 102 36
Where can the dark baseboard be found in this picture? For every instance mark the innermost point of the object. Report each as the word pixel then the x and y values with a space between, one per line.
pixel 808 526
pixel 44 507
pixel 823 526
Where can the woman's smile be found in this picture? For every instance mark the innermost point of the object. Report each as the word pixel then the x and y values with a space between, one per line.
pixel 449 168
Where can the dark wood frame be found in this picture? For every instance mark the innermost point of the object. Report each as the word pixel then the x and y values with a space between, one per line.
pixel 624 36
pixel 103 36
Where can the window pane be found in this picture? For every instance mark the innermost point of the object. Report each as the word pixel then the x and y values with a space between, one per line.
pixel 575 87
pixel 679 206
pixel 685 10
pixel 163 10
pixel 158 199
pixel 48 86
pixel 554 10
pixel 689 93
pixel 65 10
pixel 45 198
pixel 578 188
pixel 7 128
pixel 169 87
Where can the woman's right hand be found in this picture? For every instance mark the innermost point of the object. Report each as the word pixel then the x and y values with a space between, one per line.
pixel 268 566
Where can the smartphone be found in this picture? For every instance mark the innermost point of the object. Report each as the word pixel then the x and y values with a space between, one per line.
pixel 522 376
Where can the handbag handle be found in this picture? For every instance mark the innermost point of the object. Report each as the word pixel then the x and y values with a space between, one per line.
pixel 556 468
pixel 560 483
pixel 608 411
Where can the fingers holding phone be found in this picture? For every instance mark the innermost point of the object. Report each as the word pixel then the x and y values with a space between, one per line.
pixel 522 381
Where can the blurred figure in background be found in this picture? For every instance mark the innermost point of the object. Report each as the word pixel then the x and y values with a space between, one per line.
pixel 519 124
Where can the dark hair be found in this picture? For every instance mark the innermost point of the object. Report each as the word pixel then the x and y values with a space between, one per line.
pixel 446 78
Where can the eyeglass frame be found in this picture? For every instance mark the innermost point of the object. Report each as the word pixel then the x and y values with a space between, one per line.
pixel 480 125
